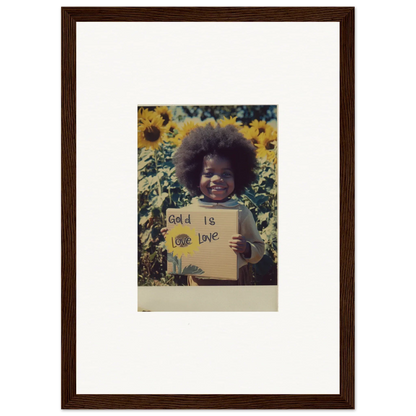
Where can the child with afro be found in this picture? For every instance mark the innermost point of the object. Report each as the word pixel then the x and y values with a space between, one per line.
pixel 215 164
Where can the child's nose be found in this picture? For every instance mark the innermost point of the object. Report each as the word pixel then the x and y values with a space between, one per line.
pixel 216 178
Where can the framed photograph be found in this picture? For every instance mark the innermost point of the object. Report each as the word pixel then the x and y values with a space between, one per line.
pixel 231 222
pixel 209 175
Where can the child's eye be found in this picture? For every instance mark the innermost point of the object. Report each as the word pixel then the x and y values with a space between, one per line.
pixel 224 175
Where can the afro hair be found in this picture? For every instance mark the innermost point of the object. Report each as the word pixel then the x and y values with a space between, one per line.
pixel 225 142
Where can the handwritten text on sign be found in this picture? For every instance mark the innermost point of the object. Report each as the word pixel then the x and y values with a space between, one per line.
pixel 202 238
pixel 197 243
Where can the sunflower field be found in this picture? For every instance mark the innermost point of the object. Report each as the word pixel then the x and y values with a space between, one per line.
pixel 160 132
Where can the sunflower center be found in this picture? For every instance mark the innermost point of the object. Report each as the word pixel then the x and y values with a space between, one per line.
pixel 165 118
pixel 262 130
pixel 152 134
pixel 183 240
pixel 254 141
pixel 270 146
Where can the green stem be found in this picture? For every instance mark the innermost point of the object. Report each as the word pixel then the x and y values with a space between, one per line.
pixel 158 180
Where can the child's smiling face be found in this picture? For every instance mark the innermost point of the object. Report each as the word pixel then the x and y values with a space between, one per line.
pixel 217 179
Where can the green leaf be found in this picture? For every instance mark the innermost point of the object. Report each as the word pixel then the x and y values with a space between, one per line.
pixel 155 232
pixel 154 179
pixel 191 269
pixel 173 259
pixel 160 199
pixel 143 183
pixel 263 216
pixel 144 238
pixel 143 219
pixel 144 163
pixel 258 199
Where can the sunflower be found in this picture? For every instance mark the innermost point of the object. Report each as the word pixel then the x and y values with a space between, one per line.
pixel 172 127
pixel 185 129
pixel 151 132
pixel 175 140
pixel 272 156
pixel 144 113
pixel 251 133
pixel 166 114
pixel 170 137
pixel 266 147
pixel 261 125
pixel 182 240
pixel 232 120
pixel 270 138
pixel 209 121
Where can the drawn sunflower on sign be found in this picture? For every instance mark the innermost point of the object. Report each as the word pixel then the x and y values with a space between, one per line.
pixel 151 132
pixel 182 240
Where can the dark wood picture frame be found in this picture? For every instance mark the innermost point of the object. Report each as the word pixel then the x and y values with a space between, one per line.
pixel 69 398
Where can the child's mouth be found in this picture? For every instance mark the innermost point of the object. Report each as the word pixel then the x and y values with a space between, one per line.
pixel 216 189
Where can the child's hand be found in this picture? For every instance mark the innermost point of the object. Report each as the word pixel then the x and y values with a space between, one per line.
pixel 164 231
pixel 239 245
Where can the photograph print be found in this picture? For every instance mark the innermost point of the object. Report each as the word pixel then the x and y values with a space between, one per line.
pixel 207 195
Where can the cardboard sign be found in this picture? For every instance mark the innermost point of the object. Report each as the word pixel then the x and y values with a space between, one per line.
pixel 198 243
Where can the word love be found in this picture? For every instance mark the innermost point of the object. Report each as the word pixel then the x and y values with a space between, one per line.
pixel 184 240
pixel 207 238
